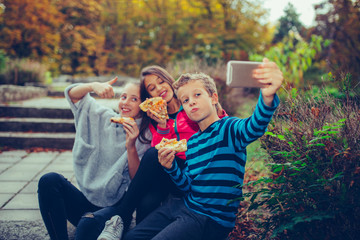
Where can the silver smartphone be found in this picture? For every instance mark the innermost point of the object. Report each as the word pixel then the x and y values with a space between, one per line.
pixel 239 74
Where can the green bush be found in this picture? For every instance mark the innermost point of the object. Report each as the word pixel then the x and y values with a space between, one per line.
pixel 294 56
pixel 3 60
pixel 22 71
pixel 314 189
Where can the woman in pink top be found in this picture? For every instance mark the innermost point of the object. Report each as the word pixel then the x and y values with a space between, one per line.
pixel 157 82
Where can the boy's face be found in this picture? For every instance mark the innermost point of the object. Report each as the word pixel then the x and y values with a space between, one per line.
pixel 197 103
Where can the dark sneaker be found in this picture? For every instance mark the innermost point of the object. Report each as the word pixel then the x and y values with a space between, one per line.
pixel 113 229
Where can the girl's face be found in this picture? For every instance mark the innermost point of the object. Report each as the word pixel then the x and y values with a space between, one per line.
pixel 129 101
pixel 157 87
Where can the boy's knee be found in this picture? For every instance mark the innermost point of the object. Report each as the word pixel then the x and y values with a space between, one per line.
pixel 88 227
pixel 48 181
pixel 129 235
pixel 87 220
pixel 150 156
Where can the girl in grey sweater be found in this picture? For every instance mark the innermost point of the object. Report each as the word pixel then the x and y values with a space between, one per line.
pixel 106 157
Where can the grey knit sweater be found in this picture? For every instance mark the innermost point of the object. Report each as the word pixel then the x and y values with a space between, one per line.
pixel 99 153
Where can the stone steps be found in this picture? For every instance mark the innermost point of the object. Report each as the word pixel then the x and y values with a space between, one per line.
pixel 31 127
pixel 36 125
pixel 23 140
pixel 33 112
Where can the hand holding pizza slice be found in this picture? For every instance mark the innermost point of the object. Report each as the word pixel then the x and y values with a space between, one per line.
pixel 156 106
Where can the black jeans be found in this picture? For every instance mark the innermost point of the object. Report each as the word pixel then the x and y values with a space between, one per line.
pixel 149 187
pixel 175 221
pixel 59 200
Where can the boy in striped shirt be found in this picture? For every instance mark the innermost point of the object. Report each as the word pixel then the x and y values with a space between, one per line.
pixel 215 161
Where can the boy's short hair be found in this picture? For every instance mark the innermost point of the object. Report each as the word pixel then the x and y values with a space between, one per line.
pixel 207 81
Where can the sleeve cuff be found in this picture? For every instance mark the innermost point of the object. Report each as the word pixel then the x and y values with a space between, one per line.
pixel 275 103
pixel 163 131
pixel 173 167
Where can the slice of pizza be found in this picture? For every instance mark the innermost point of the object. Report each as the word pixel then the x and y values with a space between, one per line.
pixel 156 106
pixel 177 146
pixel 121 120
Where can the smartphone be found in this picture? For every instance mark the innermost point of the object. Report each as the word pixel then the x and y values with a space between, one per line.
pixel 239 74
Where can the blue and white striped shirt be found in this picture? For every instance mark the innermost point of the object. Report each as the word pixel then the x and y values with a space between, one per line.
pixel 215 163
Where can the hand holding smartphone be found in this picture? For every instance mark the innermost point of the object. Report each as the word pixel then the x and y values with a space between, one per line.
pixel 239 74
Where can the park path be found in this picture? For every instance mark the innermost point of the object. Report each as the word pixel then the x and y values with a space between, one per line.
pixel 20 171
pixel 19 174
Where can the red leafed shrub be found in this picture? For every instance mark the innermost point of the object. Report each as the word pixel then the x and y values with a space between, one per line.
pixel 314 188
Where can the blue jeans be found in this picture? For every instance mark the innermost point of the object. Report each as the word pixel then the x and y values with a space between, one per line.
pixel 175 221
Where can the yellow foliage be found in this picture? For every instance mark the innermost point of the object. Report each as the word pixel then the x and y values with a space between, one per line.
pixel 100 37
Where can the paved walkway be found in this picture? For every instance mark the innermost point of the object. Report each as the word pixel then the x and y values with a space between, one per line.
pixel 20 172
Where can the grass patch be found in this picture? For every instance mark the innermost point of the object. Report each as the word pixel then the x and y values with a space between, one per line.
pixel 256 160
pixel 256 155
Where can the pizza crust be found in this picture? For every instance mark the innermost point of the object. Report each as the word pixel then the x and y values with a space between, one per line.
pixel 121 120
pixel 177 146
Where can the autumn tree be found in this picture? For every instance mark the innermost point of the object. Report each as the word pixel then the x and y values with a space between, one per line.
pixel 90 37
pixel 339 21
pixel 128 36
pixel 28 29
pixel 156 32
pixel 225 29
pixel 81 37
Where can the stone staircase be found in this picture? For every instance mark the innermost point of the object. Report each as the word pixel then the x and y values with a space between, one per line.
pixel 28 127
pixel 31 118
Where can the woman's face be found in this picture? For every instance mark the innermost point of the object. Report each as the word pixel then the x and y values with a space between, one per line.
pixel 129 101
pixel 157 87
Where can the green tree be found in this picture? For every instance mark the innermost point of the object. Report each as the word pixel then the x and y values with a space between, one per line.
pixel 294 56
pixel 288 22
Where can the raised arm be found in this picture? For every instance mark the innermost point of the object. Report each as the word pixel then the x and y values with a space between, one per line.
pixel 270 75
pixel 103 90
pixel 255 126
